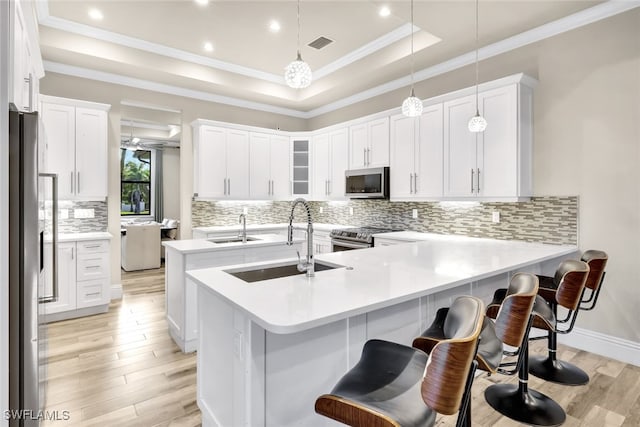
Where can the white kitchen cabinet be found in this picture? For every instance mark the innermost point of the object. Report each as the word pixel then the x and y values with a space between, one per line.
pixel 269 166
pixel 180 294
pixel 24 52
pixel 321 242
pixel 76 147
pixel 369 144
pixel 494 164
pixel 66 292
pixel 84 284
pixel 416 155
pixel 221 162
pixel 300 165
pixel 330 151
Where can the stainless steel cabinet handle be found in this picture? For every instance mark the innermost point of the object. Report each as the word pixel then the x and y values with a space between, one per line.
pixel 471 181
pixel 368 156
pixel 364 156
pixel 415 183
pixel 72 250
pixel 229 186
pixel 410 183
pixel 478 180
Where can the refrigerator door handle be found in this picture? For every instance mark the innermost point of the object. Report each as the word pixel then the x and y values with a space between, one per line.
pixel 54 239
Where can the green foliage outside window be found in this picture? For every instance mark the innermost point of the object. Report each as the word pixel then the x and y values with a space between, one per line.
pixel 135 182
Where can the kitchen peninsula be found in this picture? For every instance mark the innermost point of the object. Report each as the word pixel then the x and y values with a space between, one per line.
pixel 268 348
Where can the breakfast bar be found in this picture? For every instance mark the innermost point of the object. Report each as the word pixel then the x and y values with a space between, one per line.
pixel 268 348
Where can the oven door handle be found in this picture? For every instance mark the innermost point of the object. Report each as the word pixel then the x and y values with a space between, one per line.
pixel 349 244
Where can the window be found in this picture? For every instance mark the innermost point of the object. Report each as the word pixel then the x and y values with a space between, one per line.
pixel 135 182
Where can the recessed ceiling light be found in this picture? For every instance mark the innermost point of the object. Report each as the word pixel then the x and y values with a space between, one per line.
pixel 95 14
pixel 384 11
pixel 208 47
pixel 274 26
pixel 202 2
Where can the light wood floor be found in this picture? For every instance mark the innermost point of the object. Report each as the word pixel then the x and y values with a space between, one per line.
pixel 121 368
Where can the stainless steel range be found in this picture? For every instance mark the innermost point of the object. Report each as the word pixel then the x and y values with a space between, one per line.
pixel 346 239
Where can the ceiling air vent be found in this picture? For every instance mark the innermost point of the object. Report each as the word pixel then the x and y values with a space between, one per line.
pixel 320 42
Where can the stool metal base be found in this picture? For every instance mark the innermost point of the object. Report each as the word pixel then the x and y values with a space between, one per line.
pixel 557 371
pixel 528 407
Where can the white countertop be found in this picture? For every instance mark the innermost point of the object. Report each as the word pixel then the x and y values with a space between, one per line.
pixel 250 227
pixel 415 236
pixel 76 237
pixel 204 245
pixel 379 277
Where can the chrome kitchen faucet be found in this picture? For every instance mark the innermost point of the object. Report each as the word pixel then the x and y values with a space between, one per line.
pixel 307 266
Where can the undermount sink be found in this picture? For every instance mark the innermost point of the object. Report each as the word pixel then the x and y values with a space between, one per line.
pixel 275 272
pixel 231 239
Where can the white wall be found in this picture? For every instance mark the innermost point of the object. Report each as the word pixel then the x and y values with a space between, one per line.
pixel 171 182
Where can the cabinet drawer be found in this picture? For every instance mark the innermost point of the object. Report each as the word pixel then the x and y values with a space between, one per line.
pixel 93 246
pixel 92 266
pixel 92 292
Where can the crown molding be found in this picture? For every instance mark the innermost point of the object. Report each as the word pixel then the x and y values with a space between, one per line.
pixel 47 20
pixel 102 76
pixel 367 49
pixel 562 25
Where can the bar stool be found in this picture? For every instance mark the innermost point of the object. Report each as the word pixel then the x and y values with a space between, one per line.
pixel 512 309
pixel 548 367
pixel 397 385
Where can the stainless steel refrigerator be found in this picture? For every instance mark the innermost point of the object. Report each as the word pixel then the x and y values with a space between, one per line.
pixel 29 227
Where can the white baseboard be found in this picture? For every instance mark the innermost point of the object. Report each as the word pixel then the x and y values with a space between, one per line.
pixel 605 345
pixel 116 291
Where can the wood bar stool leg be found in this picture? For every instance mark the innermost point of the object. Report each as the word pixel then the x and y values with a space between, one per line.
pixel 520 403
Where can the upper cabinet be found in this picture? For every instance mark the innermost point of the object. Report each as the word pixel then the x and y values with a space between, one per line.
pixel 76 146
pixel 416 155
pixel 269 166
pixel 330 152
pixel 494 164
pixel 221 165
pixel 300 165
pixel 26 63
pixel 369 144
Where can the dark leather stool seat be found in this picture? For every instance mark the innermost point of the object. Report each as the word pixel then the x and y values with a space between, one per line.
pixel 512 309
pixel 554 292
pixel 549 367
pixel 397 385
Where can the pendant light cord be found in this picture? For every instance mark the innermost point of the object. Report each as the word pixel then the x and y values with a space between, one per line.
pixel 299 30
pixel 412 60
pixel 477 109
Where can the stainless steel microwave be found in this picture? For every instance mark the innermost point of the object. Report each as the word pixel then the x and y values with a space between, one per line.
pixel 367 183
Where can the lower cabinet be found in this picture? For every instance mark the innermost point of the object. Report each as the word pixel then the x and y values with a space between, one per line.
pixel 84 283
pixel 180 293
pixel 321 242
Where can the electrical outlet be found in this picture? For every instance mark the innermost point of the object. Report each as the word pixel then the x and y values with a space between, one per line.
pixel 414 213
pixel 321 209
pixel 495 216
pixel 245 210
pixel 350 211
pixel 83 213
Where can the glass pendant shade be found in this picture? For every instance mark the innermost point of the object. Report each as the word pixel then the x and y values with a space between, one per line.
pixel 412 106
pixel 298 74
pixel 477 123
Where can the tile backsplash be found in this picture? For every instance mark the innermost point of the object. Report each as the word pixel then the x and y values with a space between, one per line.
pixel 82 217
pixel 542 219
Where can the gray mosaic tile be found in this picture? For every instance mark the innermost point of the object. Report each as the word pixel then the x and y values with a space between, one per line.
pixel 543 219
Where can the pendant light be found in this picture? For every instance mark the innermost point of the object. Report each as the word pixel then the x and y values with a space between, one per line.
pixel 298 73
pixel 477 123
pixel 412 106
